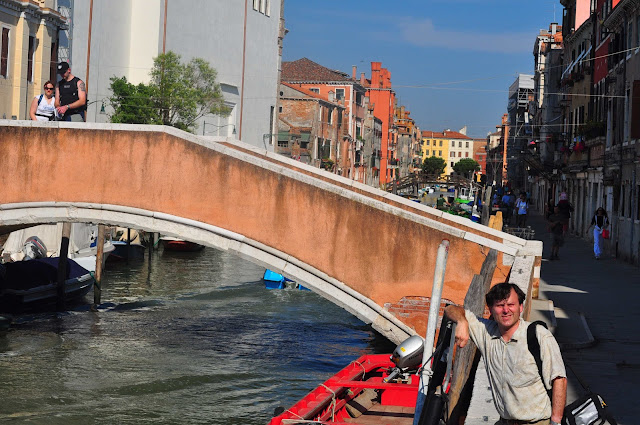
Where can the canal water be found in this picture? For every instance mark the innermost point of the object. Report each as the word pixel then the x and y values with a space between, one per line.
pixel 183 338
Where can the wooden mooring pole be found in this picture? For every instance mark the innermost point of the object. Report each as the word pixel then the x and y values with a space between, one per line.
pixel 97 282
pixel 62 266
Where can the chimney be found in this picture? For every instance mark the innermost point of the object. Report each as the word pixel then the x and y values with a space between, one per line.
pixel 363 79
pixel 375 74
pixel 331 96
pixel 554 28
pixel 354 72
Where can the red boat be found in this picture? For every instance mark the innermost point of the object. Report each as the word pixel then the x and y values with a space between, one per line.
pixel 175 244
pixel 357 395
pixel 378 389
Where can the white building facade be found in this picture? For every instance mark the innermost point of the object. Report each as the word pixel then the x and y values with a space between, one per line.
pixel 240 39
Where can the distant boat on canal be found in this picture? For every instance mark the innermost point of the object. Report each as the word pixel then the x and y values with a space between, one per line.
pixel 174 244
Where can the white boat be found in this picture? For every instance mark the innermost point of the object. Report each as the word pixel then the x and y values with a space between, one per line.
pixel 82 243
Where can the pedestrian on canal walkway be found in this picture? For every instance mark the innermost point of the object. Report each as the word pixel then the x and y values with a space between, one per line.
pixel 556 227
pixel 600 221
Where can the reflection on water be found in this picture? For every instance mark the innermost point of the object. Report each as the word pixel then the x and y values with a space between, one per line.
pixel 183 338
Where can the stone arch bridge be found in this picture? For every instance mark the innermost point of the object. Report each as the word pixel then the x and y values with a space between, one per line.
pixel 371 252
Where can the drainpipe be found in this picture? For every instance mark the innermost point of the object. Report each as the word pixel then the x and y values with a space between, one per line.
pixel 434 309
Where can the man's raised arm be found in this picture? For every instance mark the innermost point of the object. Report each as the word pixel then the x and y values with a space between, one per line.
pixel 456 314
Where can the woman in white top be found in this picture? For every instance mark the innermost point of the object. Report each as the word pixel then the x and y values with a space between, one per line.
pixel 43 106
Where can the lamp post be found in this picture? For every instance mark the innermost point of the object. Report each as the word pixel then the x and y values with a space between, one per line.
pixel 217 127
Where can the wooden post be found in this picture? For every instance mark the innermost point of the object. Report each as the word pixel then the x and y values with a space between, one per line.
pixel 486 205
pixel 128 244
pixel 467 358
pixel 62 266
pixel 97 283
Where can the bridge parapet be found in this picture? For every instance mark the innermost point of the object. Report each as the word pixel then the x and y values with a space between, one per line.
pixel 360 247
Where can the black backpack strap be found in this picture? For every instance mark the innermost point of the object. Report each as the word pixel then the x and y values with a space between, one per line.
pixel 534 347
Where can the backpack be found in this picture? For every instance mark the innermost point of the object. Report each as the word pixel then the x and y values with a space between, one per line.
pixel 589 409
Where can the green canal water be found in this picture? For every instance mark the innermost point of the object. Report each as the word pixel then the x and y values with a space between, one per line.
pixel 190 338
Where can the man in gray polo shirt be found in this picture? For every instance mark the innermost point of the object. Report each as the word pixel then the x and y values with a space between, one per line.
pixel 519 393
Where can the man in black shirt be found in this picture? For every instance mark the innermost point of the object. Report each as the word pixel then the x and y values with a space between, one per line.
pixel 71 95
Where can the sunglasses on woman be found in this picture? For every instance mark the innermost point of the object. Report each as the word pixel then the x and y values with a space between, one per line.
pixel 48 88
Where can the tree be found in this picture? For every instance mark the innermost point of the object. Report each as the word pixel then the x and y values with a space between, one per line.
pixel 434 165
pixel 466 166
pixel 177 95
pixel 133 104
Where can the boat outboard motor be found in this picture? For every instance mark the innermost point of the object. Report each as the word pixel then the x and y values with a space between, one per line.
pixel 34 248
pixel 407 357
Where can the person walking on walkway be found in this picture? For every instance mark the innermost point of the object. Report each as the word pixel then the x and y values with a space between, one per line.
pixel 522 207
pixel 556 227
pixel 519 391
pixel 601 221
pixel 43 107
pixel 71 95
pixel 565 210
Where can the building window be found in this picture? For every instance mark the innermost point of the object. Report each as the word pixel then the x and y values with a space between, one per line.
pixel 466 154
pixel 426 153
pixel 459 154
pixel 4 53
pixel 440 143
pixel 339 94
pixel 452 165
pixel 440 153
pixel 314 90
pixel 453 144
pixel 283 143
pixel 459 144
pixel 452 154
pixel 30 54
pixel 54 61
pixel 467 144
pixel 256 4
pixel 280 109
pixel 428 142
pixel 329 115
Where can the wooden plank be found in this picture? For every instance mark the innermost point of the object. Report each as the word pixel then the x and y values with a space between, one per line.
pixel 466 360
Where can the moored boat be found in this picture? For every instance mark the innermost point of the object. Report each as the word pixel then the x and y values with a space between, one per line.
pixel 174 244
pixel 378 389
pixel 32 285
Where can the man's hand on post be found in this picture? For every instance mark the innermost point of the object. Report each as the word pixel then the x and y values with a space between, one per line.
pixel 456 314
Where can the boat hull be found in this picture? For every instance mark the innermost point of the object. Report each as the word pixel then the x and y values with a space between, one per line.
pixel 136 251
pixel 39 291
pixel 339 399
pixel 181 246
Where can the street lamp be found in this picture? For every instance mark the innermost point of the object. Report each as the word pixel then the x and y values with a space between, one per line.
pixel 217 127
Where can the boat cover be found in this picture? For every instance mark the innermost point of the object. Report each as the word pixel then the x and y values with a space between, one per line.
pixel 30 274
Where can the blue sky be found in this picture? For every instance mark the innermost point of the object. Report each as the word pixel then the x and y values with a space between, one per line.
pixel 451 61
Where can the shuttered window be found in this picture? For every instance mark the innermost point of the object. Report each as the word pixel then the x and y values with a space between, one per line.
pixel 4 53
pixel 30 54
pixel 635 110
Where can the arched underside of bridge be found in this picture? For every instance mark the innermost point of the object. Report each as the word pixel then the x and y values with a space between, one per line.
pixel 368 251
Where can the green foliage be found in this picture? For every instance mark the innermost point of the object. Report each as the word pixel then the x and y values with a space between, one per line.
pixel 133 104
pixel 466 166
pixel 177 95
pixel 434 165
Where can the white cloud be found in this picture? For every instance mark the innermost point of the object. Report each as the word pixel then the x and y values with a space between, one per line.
pixel 424 33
